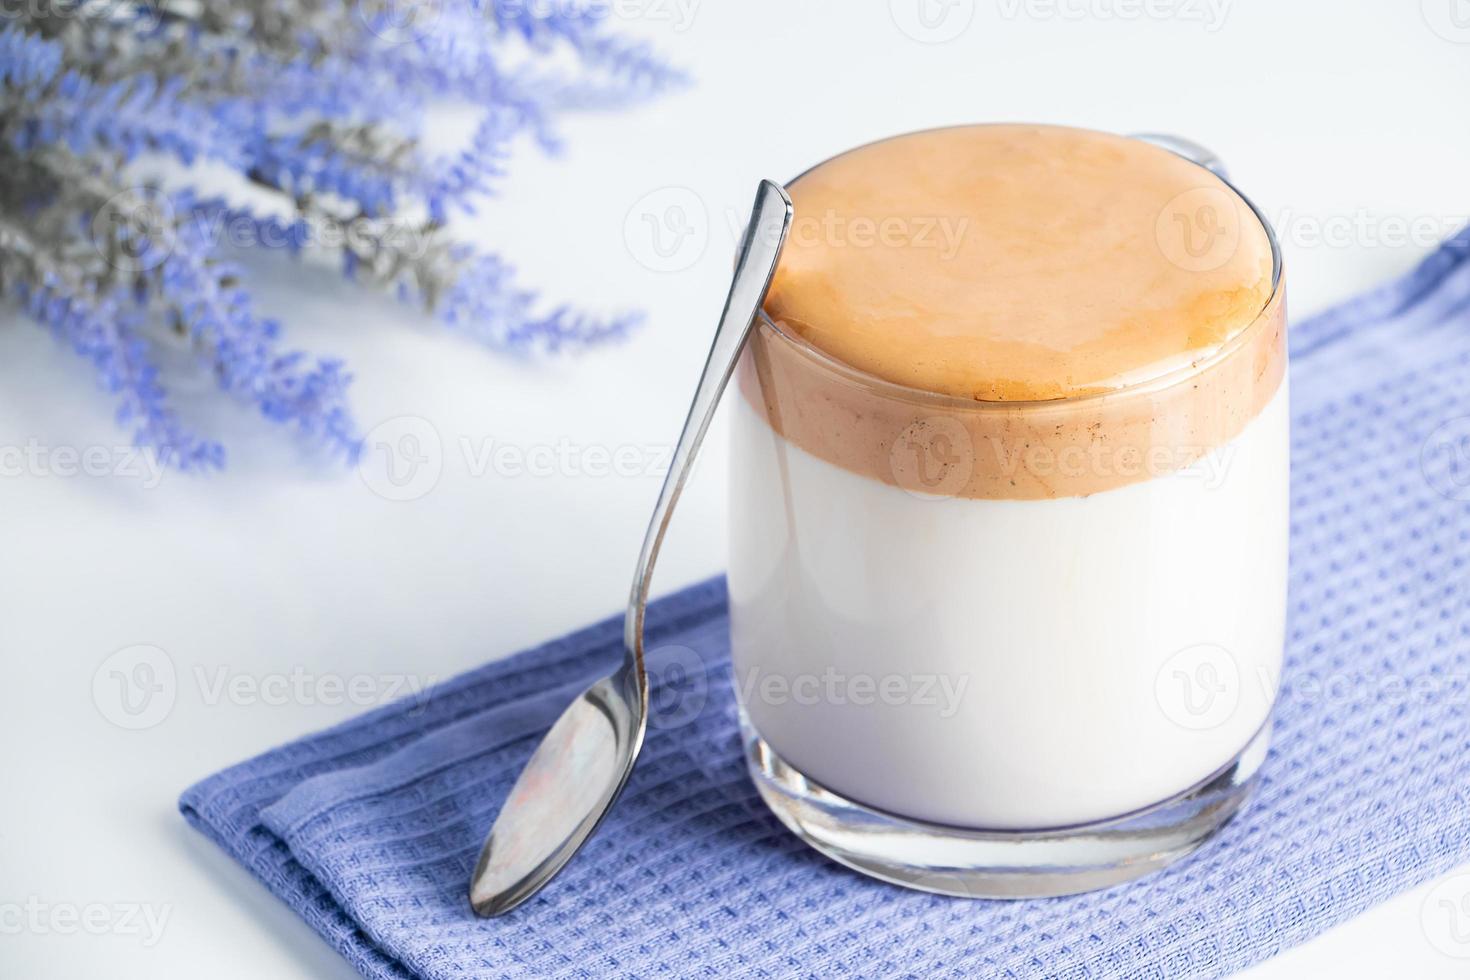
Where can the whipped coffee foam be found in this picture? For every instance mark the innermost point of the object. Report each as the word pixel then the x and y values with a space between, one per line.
pixel 1071 262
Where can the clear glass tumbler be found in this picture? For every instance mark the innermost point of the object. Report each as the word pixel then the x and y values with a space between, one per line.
pixel 1007 649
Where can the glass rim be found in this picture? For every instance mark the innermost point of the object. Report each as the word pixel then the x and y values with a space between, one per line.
pixel 1167 379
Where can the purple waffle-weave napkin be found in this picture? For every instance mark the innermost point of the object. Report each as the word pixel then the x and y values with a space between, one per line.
pixel 369 830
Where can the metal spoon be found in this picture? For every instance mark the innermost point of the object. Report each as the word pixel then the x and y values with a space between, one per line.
pixel 581 765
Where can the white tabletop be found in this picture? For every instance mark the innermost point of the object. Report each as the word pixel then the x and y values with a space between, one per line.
pixel 286 595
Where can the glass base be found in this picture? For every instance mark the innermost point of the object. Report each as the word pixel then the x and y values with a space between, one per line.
pixel 1008 863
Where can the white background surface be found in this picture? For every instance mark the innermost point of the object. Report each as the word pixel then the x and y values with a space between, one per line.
pixel 1347 115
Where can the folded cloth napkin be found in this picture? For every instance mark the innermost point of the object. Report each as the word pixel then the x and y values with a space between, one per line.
pixel 369 830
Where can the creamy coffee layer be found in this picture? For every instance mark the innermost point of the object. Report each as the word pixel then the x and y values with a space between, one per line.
pixel 1015 263
pixel 1081 312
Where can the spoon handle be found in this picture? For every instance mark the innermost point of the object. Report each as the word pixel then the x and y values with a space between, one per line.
pixel 770 220
pixel 581 764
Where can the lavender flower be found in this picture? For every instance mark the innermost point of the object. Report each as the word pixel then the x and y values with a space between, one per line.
pixel 211 309
pixel 105 332
pixel 483 301
pixel 318 104
pixel 42 103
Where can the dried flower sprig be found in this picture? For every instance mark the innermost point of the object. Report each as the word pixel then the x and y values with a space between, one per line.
pixel 318 103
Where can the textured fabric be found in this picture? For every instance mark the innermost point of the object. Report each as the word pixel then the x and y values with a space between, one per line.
pixel 370 830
